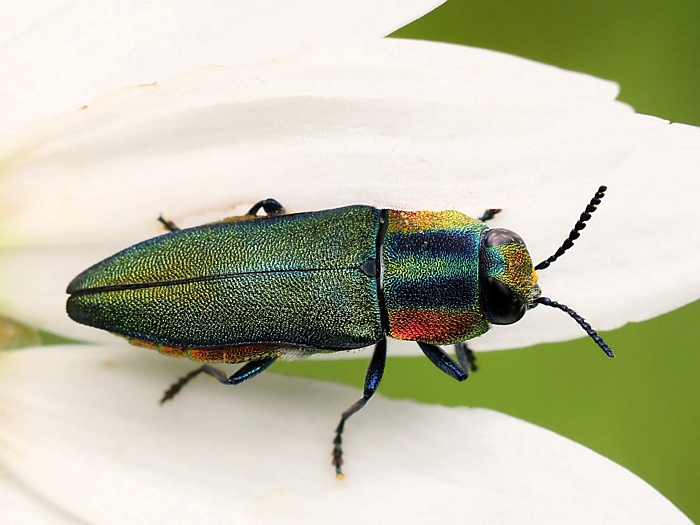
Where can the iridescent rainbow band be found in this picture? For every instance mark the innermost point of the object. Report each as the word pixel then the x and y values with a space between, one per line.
pixel 431 276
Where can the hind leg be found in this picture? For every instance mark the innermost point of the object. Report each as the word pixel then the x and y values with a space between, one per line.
pixel 250 369
pixel 270 207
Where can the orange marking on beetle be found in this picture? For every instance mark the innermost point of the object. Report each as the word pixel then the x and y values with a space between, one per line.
pixel 172 351
pixel 234 354
pixel 140 342
pixel 230 354
pixel 237 218
pixel 411 221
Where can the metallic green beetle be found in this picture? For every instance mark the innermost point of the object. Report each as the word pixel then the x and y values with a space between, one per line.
pixel 256 288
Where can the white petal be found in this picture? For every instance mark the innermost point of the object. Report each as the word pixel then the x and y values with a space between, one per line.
pixel 399 123
pixel 82 426
pixel 33 288
pixel 90 48
pixel 20 506
pixel 17 17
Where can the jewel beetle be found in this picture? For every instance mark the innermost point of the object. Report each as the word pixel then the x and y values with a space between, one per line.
pixel 255 288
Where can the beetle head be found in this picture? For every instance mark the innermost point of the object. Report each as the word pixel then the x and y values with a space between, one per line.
pixel 508 282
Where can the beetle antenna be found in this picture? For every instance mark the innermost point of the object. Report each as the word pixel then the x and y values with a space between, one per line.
pixel 575 233
pixel 580 320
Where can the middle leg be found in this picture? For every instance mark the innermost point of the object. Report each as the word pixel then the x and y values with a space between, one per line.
pixel 372 380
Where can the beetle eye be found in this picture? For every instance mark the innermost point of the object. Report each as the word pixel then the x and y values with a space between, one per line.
pixel 500 303
pixel 496 236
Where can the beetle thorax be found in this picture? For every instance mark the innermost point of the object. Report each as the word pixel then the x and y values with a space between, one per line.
pixel 430 276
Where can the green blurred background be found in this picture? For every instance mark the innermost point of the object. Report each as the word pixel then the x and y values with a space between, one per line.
pixel 640 410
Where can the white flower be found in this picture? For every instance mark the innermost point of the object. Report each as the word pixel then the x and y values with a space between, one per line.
pixel 336 118
pixel 81 428
pixel 395 123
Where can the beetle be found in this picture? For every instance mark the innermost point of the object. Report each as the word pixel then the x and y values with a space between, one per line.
pixel 255 288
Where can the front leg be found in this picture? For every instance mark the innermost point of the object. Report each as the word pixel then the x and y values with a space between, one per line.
pixel 444 362
pixel 490 214
pixel 466 357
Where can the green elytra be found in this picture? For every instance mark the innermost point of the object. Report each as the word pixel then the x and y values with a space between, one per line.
pixel 289 279
pixel 256 288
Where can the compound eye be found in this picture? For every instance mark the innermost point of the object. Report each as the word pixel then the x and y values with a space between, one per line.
pixel 500 303
pixel 496 236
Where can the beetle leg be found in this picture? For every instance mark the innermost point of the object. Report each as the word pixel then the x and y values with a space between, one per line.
pixel 169 225
pixel 489 214
pixel 270 206
pixel 250 369
pixel 372 379
pixel 466 357
pixel 444 362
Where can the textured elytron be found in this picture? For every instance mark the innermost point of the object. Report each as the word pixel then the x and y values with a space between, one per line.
pixel 511 264
pixel 294 280
pixel 431 276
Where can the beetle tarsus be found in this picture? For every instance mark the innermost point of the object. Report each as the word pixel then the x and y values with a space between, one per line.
pixel 177 386
pixel 270 207
pixel 169 225
pixel 372 380
pixel 489 214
